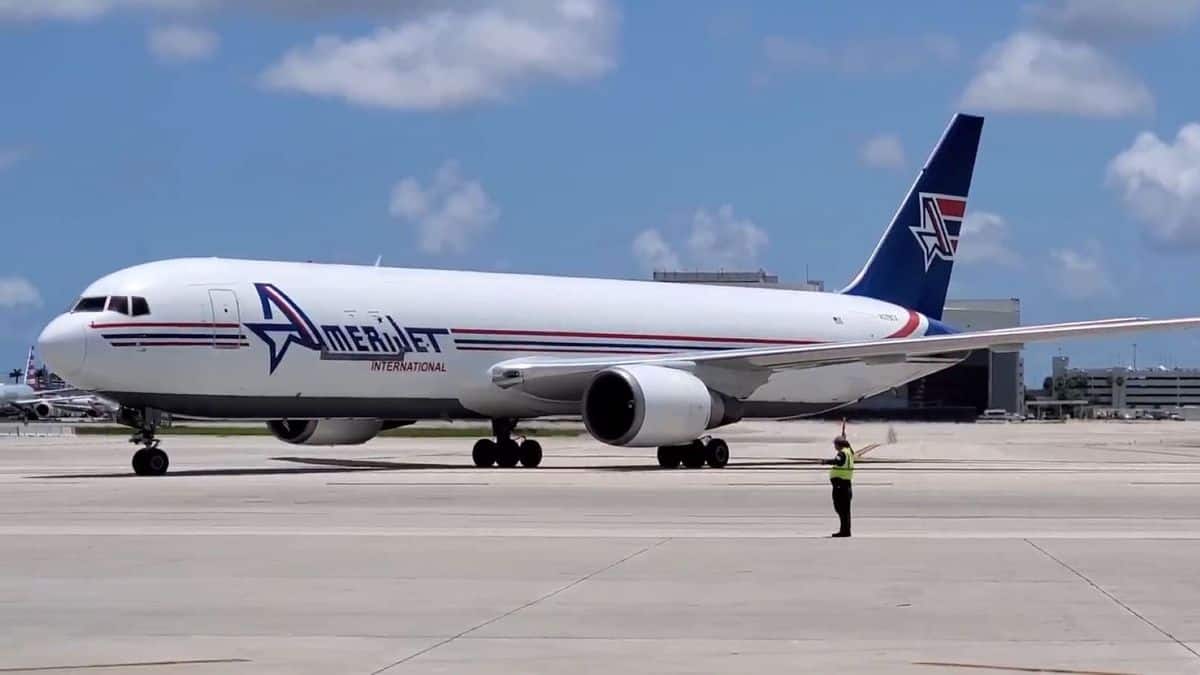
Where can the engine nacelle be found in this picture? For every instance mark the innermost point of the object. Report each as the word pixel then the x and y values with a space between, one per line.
pixel 643 405
pixel 325 432
pixel 45 410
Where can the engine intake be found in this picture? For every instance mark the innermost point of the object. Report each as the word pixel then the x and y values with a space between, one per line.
pixel 642 405
pixel 325 432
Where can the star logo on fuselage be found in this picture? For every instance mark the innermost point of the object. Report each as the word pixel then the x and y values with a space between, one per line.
pixel 295 328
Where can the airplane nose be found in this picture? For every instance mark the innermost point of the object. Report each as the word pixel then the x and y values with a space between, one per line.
pixel 62 345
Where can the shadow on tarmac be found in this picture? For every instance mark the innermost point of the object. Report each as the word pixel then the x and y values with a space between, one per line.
pixel 332 465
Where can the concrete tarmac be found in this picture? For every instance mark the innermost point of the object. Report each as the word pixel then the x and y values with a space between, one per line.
pixel 1068 548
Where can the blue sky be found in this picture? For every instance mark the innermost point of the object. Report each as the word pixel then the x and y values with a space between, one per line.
pixel 595 137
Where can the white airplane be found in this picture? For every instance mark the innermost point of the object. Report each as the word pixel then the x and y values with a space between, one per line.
pixel 333 354
pixel 34 402
pixel 11 395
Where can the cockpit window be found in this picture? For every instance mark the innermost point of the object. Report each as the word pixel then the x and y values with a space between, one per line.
pixel 119 303
pixel 90 304
pixel 140 306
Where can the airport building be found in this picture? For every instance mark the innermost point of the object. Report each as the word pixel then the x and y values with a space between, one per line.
pixel 985 380
pixel 1122 388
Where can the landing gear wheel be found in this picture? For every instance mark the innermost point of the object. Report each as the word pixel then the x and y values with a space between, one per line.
pixel 508 453
pixel 694 455
pixel 718 453
pixel 150 462
pixel 531 453
pixel 484 452
pixel 668 456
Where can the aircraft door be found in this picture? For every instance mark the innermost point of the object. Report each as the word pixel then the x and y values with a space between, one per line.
pixel 225 319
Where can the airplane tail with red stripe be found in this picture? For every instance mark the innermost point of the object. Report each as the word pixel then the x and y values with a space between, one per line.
pixel 911 264
pixel 30 376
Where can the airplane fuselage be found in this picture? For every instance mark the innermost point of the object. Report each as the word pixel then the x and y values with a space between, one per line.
pixel 257 339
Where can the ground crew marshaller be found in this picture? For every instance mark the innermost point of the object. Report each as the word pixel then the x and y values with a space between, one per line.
pixel 841 476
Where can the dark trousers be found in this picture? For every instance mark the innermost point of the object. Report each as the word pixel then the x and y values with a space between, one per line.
pixel 842 494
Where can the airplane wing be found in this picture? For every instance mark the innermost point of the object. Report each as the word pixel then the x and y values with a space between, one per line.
pixel 522 371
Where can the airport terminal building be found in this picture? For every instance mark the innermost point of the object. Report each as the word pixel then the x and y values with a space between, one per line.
pixel 1122 388
pixel 983 381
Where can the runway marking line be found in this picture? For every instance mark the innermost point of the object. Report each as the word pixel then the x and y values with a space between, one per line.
pixel 1114 598
pixel 531 603
pixel 409 484
pixel 807 484
pixel 1018 669
pixel 131 664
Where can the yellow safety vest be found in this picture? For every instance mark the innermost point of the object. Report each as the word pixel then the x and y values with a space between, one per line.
pixel 845 470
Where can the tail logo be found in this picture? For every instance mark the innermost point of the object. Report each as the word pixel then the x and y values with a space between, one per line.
pixel 941 221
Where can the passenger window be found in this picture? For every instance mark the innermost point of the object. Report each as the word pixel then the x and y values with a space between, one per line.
pixel 90 304
pixel 119 303
pixel 140 307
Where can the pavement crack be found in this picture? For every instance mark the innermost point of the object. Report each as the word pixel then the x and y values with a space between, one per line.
pixel 1113 598
pixel 531 603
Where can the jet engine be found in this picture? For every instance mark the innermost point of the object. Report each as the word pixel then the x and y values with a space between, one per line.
pixel 643 405
pixel 45 410
pixel 330 431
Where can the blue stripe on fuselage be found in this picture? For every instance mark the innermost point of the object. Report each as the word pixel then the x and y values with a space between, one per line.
pixel 940 328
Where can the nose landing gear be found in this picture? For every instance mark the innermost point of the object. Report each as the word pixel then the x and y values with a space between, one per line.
pixel 149 460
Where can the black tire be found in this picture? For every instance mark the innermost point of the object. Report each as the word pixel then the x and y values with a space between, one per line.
pixel 484 453
pixel 668 456
pixel 694 455
pixel 718 453
pixel 508 453
pixel 139 462
pixel 150 462
pixel 531 453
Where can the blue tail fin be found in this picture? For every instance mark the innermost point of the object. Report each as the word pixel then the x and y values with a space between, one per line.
pixel 911 265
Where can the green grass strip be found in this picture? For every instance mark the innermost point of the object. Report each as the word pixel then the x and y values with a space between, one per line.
pixel 401 432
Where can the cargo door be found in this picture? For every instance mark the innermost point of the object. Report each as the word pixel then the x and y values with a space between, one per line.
pixel 225 319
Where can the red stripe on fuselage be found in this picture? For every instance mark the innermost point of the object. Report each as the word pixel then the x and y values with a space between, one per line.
pixel 569 350
pixel 627 336
pixel 909 326
pixel 153 324
pixel 179 343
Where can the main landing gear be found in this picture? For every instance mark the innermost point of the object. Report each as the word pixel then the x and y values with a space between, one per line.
pixel 694 455
pixel 506 452
pixel 149 460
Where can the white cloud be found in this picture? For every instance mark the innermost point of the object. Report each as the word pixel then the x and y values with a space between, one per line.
pixel 717 240
pixel 882 152
pixel 1040 73
pixel 18 291
pixel 859 56
pixel 449 214
pixel 653 252
pixel 455 57
pixel 985 238
pixel 1159 184
pixel 84 10
pixel 10 157
pixel 179 44
pixel 1113 20
pixel 1081 274
pixel 722 239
